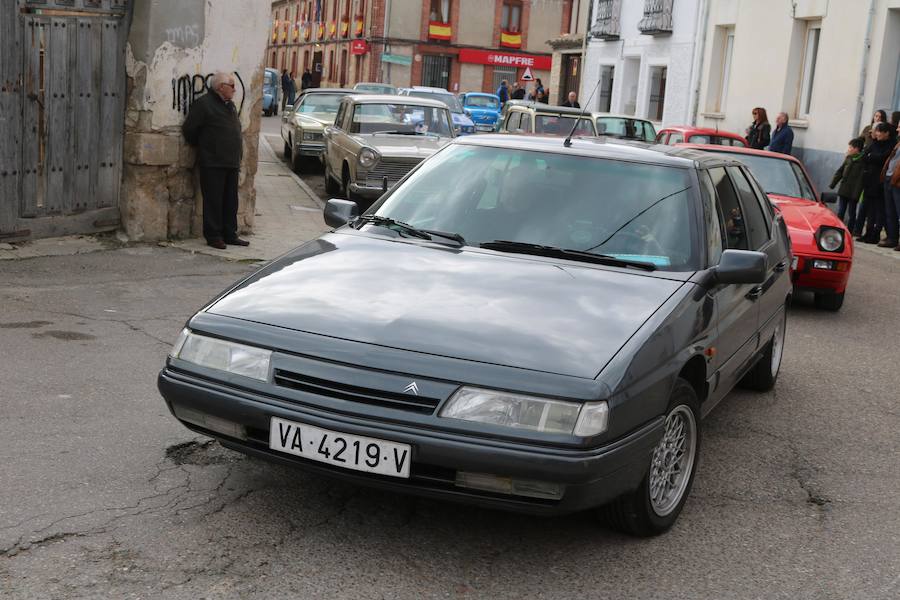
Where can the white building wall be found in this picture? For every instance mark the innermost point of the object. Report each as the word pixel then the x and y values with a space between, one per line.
pixel 674 51
pixel 767 60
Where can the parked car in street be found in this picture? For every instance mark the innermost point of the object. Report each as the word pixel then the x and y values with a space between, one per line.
pixel 687 134
pixel 271 92
pixel 624 127
pixel 303 124
pixel 518 324
pixel 483 109
pixel 822 244
pixel 376 140
pixel 365 87
pixel 462 124
pixel 529 118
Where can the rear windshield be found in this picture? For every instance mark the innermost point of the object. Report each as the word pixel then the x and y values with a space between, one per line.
pixel 448 99
pixel 482 102
pixel 631 129
pixel 777 176
pixel 559 125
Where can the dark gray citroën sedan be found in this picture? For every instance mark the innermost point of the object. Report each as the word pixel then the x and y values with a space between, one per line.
pixel 518 323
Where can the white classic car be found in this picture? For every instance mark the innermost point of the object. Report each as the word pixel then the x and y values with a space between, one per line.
pixel 376 140
pixel 303 124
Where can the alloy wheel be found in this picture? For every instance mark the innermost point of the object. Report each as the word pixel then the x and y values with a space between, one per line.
pixel 673 461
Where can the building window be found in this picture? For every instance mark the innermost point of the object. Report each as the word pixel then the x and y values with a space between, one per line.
pixel 808 72
pixel 606 24
pixel 657 93
pixel 657 19
pixel 720 69
pixel 630 77
pixel 607 75
pixel 511 17
pixel 440 11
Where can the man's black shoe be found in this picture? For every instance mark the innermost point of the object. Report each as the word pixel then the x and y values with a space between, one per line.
pixel 216 244
pixel 237 242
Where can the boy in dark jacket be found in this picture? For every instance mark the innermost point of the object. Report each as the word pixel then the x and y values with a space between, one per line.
pixel 873 158
pixel 849 175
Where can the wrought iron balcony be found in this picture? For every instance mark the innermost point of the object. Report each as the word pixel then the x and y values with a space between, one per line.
pixel 606 25
pixel 657 19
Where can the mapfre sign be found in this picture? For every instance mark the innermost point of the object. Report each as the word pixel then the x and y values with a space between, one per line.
pixel 505 59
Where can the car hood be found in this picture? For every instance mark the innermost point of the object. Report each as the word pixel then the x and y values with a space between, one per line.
pixel 483 113
pixel 314 120
pixel 511 310
pixel 420 146
pixel 461 119
pixel 804 218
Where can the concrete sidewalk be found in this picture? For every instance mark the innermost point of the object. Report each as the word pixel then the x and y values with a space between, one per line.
pixel 288 213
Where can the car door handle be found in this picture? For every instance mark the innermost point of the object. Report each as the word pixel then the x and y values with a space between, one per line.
pixel 780 267
pixel 754 293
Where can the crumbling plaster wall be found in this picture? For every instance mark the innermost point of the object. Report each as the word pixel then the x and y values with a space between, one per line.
pixel 173 46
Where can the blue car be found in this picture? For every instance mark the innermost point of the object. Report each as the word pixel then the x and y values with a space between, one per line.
pixel 462 124
pixel 271 92
pixel 483 109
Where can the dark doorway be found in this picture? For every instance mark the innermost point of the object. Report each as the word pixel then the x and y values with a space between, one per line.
pixel 317 69
pixel 571 77
pixel 436 70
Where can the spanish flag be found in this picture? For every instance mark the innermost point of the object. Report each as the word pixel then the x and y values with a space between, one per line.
pixel 511 39
pixel 359 28
pixel 439 31
pixel 332 29
pixel 345 28
pixel 321 31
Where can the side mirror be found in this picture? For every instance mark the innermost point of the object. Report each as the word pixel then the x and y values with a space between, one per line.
pixel 740 266
pixel 288 108
pixel 340 212
pixel 829 197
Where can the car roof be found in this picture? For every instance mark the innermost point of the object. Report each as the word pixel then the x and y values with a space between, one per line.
pixel 392 99
pixel 425 88
pixel 702 131
pixel 619 116
pixel 540 107
pixel 737 150
pixel 373 83
pixel 481 94
pixel 601 147
pixel 328 91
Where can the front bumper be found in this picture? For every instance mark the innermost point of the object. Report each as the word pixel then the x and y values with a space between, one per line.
pixel 370 192
pixel 311 149
pixel 591 476
pixel 807 278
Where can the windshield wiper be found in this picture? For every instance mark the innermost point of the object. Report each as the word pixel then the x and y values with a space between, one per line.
pixel 554 252
pixel 406 228
pixel 398 132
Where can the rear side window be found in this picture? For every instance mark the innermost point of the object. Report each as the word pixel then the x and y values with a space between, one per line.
pixel 730 213
pixel 700 139
pixel 757 227
pixel 660 139
pixel 675 138
pixel 711 222
pixel 512 121
pixel 526 123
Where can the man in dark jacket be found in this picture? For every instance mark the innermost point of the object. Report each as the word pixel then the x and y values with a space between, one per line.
pixel 572 101
pixel 213 126
pixel 503 92
pixel 518 92
pixel 849 175
pixel 783 136
pixel 890 175
pixel 286 84
pixel 306 80
pixel 873 159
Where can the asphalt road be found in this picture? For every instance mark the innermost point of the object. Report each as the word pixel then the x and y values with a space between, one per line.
pixel 313 175
pixel 104 494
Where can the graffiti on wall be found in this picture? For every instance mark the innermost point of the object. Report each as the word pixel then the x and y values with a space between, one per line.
pixel 185 36
pixel 187 88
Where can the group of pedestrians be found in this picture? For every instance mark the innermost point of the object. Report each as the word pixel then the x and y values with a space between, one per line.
pixel 289 86
pixel 870 175
pixel 518 92
pixel 760 135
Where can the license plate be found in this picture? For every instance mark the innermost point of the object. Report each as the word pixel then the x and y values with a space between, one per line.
pixel 340 449
pixel 485 127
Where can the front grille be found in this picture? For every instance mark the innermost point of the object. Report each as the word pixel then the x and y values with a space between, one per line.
pixel 352 393
pixel 393 168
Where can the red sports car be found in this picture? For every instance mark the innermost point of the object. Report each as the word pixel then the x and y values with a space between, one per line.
pixel 821 244
pixel 677 134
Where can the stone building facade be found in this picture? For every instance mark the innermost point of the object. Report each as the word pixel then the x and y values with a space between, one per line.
pixel 173 48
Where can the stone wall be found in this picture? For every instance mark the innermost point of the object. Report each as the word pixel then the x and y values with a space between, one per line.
pixel 174 47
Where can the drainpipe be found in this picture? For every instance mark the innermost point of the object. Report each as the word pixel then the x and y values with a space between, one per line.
pixel 387 46
pixel 867 47
pixel 700 53
pixel 587 34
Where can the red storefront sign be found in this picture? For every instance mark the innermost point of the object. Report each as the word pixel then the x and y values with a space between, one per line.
pixel 505 59
pixel 359 47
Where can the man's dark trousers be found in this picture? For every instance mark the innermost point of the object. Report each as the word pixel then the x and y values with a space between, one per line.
pixel 220 203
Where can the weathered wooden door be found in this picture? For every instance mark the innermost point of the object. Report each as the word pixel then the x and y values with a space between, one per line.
pixel 61 116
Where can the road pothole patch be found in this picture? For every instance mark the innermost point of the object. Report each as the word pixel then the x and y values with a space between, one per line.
pixel 201 453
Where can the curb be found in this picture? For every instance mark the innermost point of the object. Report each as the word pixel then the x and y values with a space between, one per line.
pixel 303 185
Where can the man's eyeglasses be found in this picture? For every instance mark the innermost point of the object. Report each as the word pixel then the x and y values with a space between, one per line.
pixel 231 85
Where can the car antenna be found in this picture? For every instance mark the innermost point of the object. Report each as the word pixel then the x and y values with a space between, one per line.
pixel 568 141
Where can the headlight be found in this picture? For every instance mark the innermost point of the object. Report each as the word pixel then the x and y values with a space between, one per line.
pixel 367 158
pixel 310 135
pixel 831 239
pixel 527 412
pixel 221 355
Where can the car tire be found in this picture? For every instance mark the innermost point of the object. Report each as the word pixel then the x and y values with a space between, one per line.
pixel 654 506
pixel 287 151
pixel 345 186
pixel 764 373
pixel 297 162
pixel 832 302
pixel 332 188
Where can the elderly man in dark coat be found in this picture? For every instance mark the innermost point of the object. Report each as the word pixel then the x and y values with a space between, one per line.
pixel 213 126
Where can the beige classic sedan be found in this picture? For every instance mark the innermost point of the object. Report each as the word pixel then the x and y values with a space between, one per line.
pixel 376 140
pixel 302 125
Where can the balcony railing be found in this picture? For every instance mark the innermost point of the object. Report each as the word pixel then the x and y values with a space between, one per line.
pixel 657 18
pixel 606 25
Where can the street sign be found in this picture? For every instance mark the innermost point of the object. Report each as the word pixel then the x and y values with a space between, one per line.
pixel 527 76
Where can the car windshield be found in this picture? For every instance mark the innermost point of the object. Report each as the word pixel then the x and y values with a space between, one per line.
pixel 482 102
pixel 401 119
pixel 271 79
pixel 561 126
pixel 448 99
pixel 375 88
pixel 631 211
pixel 777 176
pixel 320 103
pixel 632 129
